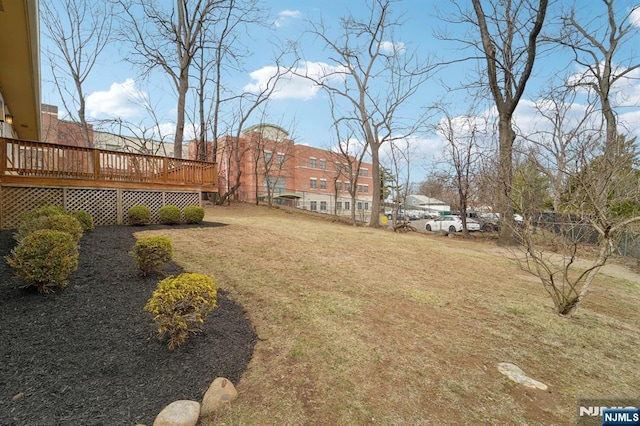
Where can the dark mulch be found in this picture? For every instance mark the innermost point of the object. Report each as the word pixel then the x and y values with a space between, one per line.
pixel 89 354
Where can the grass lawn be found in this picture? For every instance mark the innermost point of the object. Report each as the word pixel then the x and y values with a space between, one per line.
pixel 367 326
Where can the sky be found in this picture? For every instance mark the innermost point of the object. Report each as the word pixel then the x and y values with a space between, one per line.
pixel 115 90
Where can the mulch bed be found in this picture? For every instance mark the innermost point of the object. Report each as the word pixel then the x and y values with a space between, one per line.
pixel 89 355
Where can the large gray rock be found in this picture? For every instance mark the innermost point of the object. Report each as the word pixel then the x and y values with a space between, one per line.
pixel 179 413
pixel 517 375
pixel 220 392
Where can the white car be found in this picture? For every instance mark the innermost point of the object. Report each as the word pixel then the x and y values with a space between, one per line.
pixel 451 224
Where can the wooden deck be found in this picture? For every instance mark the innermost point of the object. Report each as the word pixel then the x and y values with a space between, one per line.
pixel 43 164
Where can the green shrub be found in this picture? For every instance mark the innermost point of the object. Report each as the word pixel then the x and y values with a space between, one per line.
pixel 85 219
pixel 57 222
pixel 49 210
pixel 180 305
pixel 45 258
pixel 169 214
pixel 139 215
pixel 151 253
pixel 193 214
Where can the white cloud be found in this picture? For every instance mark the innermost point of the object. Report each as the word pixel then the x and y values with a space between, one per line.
pixel 122 100
pixel 292 84
pixel 634 17
pixel 392 48
pixel 285 16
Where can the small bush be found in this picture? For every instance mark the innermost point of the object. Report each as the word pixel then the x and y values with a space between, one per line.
pixel 180 305
pixel 169 214
pixel 45 258
pixel 85 219
pixel 50 210
pixel 193 214
pixel 139 215
pixel 151 253
pixel 57 222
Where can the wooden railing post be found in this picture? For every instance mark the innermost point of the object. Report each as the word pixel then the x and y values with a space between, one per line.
pixel 165 166
pixel 95 154
pixel 3 157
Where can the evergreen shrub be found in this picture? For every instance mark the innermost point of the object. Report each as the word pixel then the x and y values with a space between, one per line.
pixel 45 258
pixel 180 305
pixel 193 214
pixel 85 219
pixel 139 215
pixel 169 214
pixel 151 253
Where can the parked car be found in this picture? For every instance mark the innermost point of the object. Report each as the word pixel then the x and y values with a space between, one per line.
pixel 414 214
pixel 450 223
pixel 489 222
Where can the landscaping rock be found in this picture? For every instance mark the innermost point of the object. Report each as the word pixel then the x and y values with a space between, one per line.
pixel 179 413
pixel 219 393
pixel 517 375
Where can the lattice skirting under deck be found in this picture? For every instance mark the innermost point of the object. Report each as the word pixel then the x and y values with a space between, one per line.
pixel 106 206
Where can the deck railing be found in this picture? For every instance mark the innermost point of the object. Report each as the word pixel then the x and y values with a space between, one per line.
pixel 44 160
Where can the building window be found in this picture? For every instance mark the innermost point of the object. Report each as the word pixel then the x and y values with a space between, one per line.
pixel 280 158
pixel 338 205
pixel 366 188
pixel 323 206
pixel 313 183
pixel 312 163
pixel 338 167
pixel 314 206
pixel 364 172
pixel 277 184
pixel 359 205
pixel 338 186
pixel 323 164
pixel 323 184
pixel 347 205
pixel 267 157
pixel 347 186
pixel 366 206
pixel 359 188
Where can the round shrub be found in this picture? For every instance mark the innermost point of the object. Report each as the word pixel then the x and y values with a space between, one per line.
pixel 151 253
pixel 49 210
pixel 85 219
pixel 180 305
pixel 169 214
pixel 57 222
pixel 193 214
pixel 139 215
pixel 45 258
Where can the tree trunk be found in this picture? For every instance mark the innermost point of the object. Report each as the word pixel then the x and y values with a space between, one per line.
pixel 374 220
pixel 506 138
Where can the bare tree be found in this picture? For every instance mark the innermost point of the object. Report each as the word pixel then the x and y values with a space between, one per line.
pixel 557 146
pixel 221 55
pixel 554 247
pixel 168 40
pixel 398 165
pixel 602 188
pixel 509 32
pixel 271 154
pixel 374 76
pixel 596 47
pixel 463 136
pixel 350 153
pixel 79 31
pixel 247 104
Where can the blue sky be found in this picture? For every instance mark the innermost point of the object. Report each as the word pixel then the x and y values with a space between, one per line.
pixel 113 87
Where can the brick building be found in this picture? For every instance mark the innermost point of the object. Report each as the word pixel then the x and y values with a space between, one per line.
pixel 273 167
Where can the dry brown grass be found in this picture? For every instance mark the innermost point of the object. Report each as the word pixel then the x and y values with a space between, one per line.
pixel 364 326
